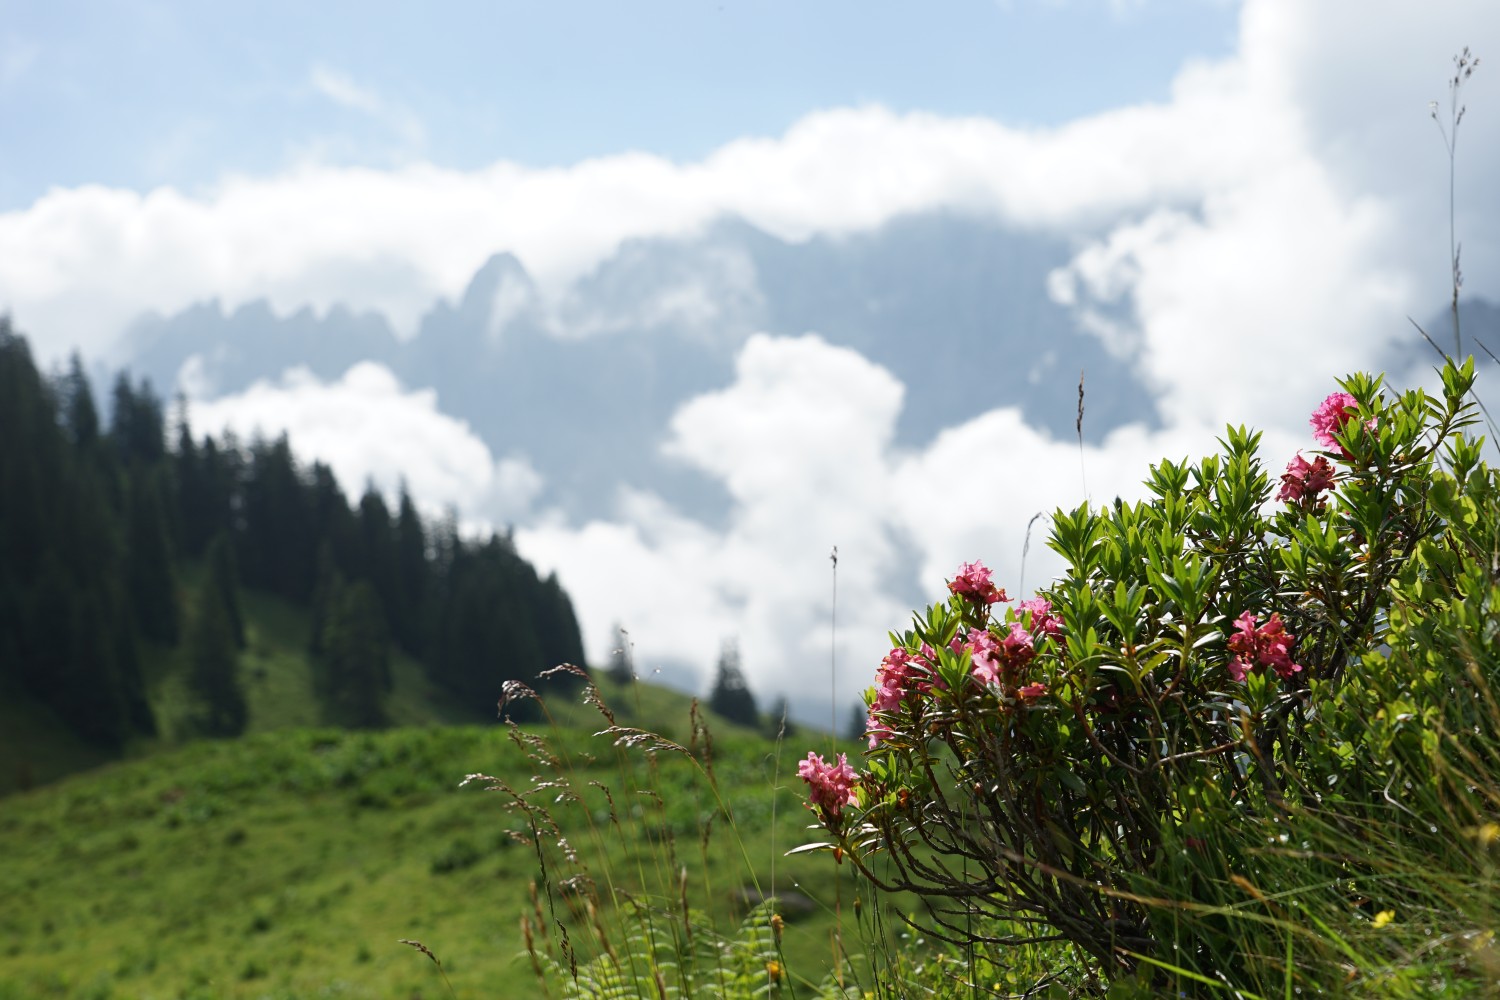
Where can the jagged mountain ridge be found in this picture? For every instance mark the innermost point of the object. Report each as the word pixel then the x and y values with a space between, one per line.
pixel 584 385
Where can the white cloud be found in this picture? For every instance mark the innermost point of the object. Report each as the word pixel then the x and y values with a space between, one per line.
pixel 802 440
pixel 345 92
pixel 367 428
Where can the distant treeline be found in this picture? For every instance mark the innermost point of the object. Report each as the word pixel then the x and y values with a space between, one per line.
pixel 96 526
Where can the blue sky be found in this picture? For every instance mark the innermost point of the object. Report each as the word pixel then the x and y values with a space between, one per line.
pixel 139 94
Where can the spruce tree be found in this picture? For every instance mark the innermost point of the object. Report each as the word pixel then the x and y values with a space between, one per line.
pixel 137 428
pixel 80 416
pixel 410 618
pixel 226 583
pixel 620 669
pixel 859 719
pixel 356 674
pixel 326 593
pixel 198 521
pixel 64 623
pixel 213 668
pixel 150 577
pixel 278 548
pixel 556 625
pixel 378 546
pixel 731 695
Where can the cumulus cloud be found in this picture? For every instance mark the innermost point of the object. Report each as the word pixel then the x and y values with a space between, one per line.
pixel 802 440
pixel 368 429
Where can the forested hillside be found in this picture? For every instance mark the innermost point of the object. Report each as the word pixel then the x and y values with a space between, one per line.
pixel 127 541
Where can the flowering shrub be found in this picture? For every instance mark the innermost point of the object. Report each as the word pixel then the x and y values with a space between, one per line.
pixel 1095 765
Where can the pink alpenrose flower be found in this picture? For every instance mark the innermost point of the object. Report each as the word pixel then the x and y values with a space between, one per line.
pixel 1043 621
pixel 1330 417
pixel 1256 648
pixel 830 786
pixel 1030 691
pixel 1304 480
pixel 893 681
pixel 973 582
pixel 993 659
pixel 986 658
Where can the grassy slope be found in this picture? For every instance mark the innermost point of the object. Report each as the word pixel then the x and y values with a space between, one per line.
pixel 286 864
pixel 36 748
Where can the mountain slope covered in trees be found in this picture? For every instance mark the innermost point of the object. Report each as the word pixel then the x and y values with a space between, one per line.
pixel 123 552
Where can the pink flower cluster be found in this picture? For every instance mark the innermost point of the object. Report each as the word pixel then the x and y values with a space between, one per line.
pixel 973 583
pixel 895 677
pixel 1255 648
pixel 1304 480
pixel 831 786
pixel 1002 659
pixel 994 659
pixel 1043 621
pixel 1330 417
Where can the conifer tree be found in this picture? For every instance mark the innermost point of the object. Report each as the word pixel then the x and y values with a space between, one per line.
pixel 213 668
pixel 556 625
pixel 332 522
pixel 620 669
pixel 278 551
pixel 199 517
pixel 80 416
pixel 150 577
pixel 65 637
pixel 326 593
pixel 356 659
pixel 731 696
pixel 137 428
pixel 225 580
pixel 411 577
pixel 859 717
pixel 378 546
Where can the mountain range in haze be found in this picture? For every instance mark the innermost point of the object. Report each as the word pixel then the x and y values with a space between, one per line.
pixel 584 383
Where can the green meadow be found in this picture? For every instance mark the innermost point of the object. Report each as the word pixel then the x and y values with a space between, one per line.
pixel 290 862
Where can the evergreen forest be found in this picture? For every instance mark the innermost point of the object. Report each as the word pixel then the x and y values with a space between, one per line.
pixel 127 537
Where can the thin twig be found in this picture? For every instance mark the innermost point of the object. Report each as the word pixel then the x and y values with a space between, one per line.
pixel 1488 420
pixel 1026 547
pixel 1078 427
pixel 833 674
